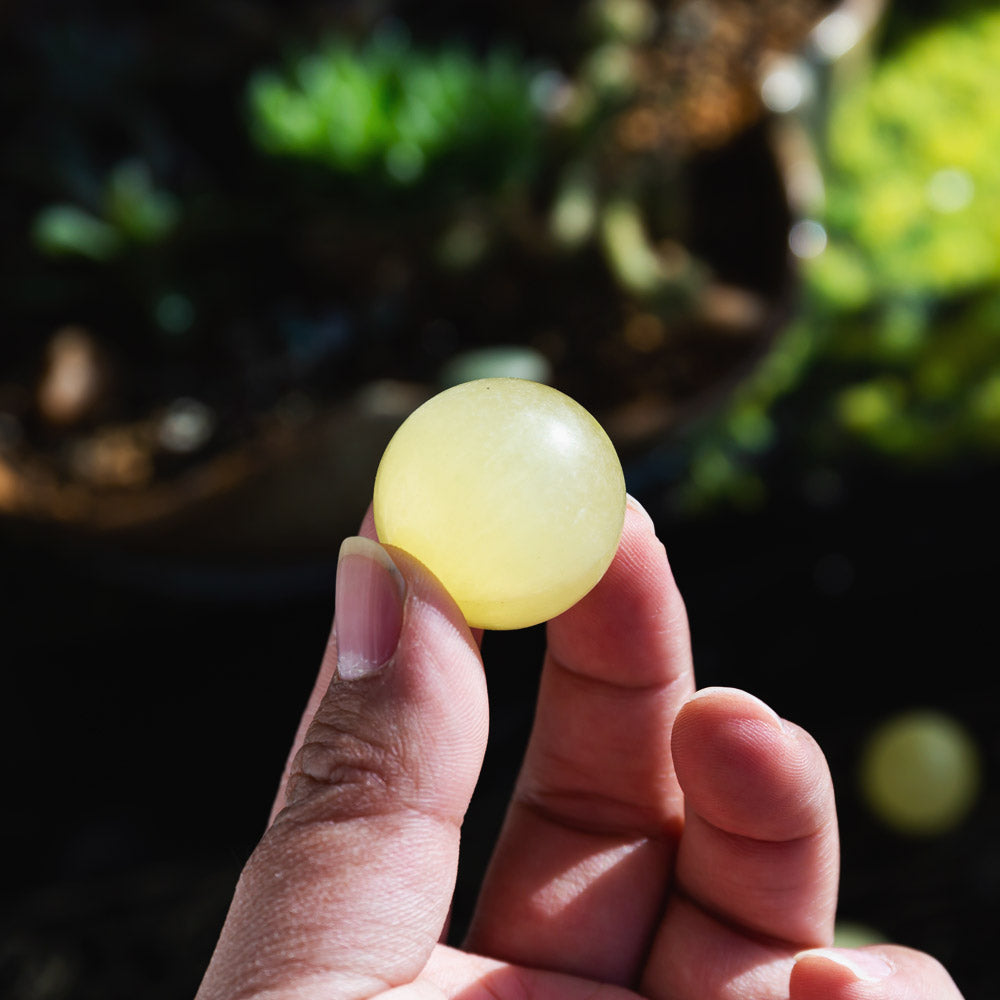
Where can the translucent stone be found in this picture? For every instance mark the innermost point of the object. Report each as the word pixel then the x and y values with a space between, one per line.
pixel 509 492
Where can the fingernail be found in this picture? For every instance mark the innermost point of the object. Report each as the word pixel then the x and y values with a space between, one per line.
pixel 369 608
pixel 865 966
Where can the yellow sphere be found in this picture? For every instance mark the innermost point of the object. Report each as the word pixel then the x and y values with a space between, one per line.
pixel 509 492
pixel 920 772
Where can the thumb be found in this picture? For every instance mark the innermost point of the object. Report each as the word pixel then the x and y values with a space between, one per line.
pixel 877 972
pixel 349 889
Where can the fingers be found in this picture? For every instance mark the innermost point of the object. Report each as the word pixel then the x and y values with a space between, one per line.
pixel 757 870
pixel 577 880
pixel 349 888
pixel 879 972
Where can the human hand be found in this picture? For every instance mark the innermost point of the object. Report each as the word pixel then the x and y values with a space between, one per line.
pixel 660 843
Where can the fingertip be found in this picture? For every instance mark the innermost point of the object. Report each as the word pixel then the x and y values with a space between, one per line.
pixel 874 972
pixel 631 628
pixel 432 652
pixel 746 770
pixel 826 972
pixel 639 513
pixel 639 547
pixel 367 528
pixel 717 704
pixel 437 641
pixel 723 734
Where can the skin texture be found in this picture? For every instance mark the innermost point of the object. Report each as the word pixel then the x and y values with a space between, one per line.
pixel 660 843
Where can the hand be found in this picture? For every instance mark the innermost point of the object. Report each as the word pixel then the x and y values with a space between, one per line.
pixel 676 845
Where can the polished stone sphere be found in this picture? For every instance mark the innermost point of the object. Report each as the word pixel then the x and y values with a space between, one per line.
pixel 509 492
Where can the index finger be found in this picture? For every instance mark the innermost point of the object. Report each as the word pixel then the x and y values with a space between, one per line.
pixel 578 877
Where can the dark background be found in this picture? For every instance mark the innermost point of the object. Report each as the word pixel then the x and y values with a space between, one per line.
pixel 149 710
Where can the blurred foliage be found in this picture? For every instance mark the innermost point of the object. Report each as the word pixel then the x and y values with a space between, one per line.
pixel 232 227
pixel 896 349
pixel 390 112
pixel 131 211
pixel 914 192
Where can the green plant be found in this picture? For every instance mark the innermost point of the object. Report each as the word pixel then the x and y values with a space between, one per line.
pixel 132 211
pixel 914 185
pixel 913 264
pixel 897 348
pixel 389 113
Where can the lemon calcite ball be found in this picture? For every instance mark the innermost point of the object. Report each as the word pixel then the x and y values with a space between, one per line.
pixel 509 492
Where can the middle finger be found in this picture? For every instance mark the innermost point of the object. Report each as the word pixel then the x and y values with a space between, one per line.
pixel 577 881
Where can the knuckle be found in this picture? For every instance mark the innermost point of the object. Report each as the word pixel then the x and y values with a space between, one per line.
pixel 347 772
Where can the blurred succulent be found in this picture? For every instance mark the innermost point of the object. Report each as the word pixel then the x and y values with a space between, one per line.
pixel 928 385
pixel 898 345
pixel 139 211
pixel 389 112
pixel 914 189
pixel 913 261
pixel 621 20
pixel 132 211
pixel 67 230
